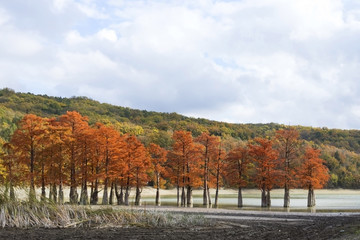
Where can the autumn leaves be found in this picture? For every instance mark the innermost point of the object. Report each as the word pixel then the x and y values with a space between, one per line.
pixel 66 151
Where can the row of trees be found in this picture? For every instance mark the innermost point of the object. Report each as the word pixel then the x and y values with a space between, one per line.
pixel 67 151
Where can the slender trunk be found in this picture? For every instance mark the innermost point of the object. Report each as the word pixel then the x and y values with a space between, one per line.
pixel 287 181
pixel 54 190
pixel 51 193
pixel 189 197
pixel 127 192
pixel 11 186
pixel 263 197
pixel 91 192
pixel 61 194
pixel 209 196
pixel 216 195
pixel 116 190
pixel 12 192
pixel 32 195
pixel 43 189
pixel 311 197
pixel 205 194
pixel 84 197
pixel 178 195
pixel 183 196
pixel 268 198
pixel 95 194
pixel 111 197
pixel 138 196
pixel 105 199
pixel 286 196
pixel 240 198
pixel 217 182
pixel 121 195
pixel 157 198
pixel 205 186
pixel 73 191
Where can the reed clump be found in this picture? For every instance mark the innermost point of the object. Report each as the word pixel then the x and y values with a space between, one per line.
pixel 48 215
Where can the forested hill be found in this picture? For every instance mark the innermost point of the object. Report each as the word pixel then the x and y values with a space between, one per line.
pixel 13 105
pixel 340 148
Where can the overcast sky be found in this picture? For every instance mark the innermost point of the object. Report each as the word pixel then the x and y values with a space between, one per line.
pixel 246 61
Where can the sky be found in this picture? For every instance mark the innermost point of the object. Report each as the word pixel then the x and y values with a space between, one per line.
pixel 247 61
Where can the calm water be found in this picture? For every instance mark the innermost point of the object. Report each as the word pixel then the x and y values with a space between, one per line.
pixel 326 201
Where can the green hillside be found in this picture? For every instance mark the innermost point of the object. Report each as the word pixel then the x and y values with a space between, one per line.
pixel 341 148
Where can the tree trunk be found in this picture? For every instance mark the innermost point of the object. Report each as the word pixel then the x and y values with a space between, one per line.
pixel 216 195
pixel 84 197
pixel 43 189
pixel 183 196
pixel 111 197
pixel 127 193
pixel 263 197
pixel 32 195
pixel 73 191
pixel 209 196
pixel 178 195
pixel 54 190
pixel 286 196
pixel 121 195
pixel 205 186
pixel 240 198
pixel 268 199
pixel 61 194
pixel 157 198
pixel 95 193
pixel 189 202
pixel 311 197
pixel 138 196
pixel 217 183
pixel 12 192
pixel 105 200
pixel 50 192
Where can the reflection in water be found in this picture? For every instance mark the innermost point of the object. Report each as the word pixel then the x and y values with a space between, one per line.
pixel 298 203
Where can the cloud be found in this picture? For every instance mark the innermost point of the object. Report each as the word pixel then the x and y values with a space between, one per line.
pixel 237 61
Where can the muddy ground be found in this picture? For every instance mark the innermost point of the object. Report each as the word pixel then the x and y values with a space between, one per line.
pixel 224 224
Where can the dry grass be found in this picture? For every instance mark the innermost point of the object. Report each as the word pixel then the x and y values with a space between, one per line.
pixel 47 215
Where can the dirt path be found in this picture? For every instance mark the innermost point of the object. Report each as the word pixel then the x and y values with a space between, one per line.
pixel 225 224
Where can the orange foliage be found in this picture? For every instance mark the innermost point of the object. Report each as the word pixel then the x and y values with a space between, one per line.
pixel 313 174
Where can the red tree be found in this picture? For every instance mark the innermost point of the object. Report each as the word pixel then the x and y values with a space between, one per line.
pixel 237 164
pixel 313 174
pixel 158 159
pixel 266 175
pixel 288 145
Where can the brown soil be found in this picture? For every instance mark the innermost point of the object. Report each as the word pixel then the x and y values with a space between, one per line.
pixel 223 225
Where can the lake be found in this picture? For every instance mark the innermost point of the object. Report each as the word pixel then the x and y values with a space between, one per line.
pixel 326 200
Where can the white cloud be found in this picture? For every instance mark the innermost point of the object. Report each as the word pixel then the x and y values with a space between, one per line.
pixel 237 61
